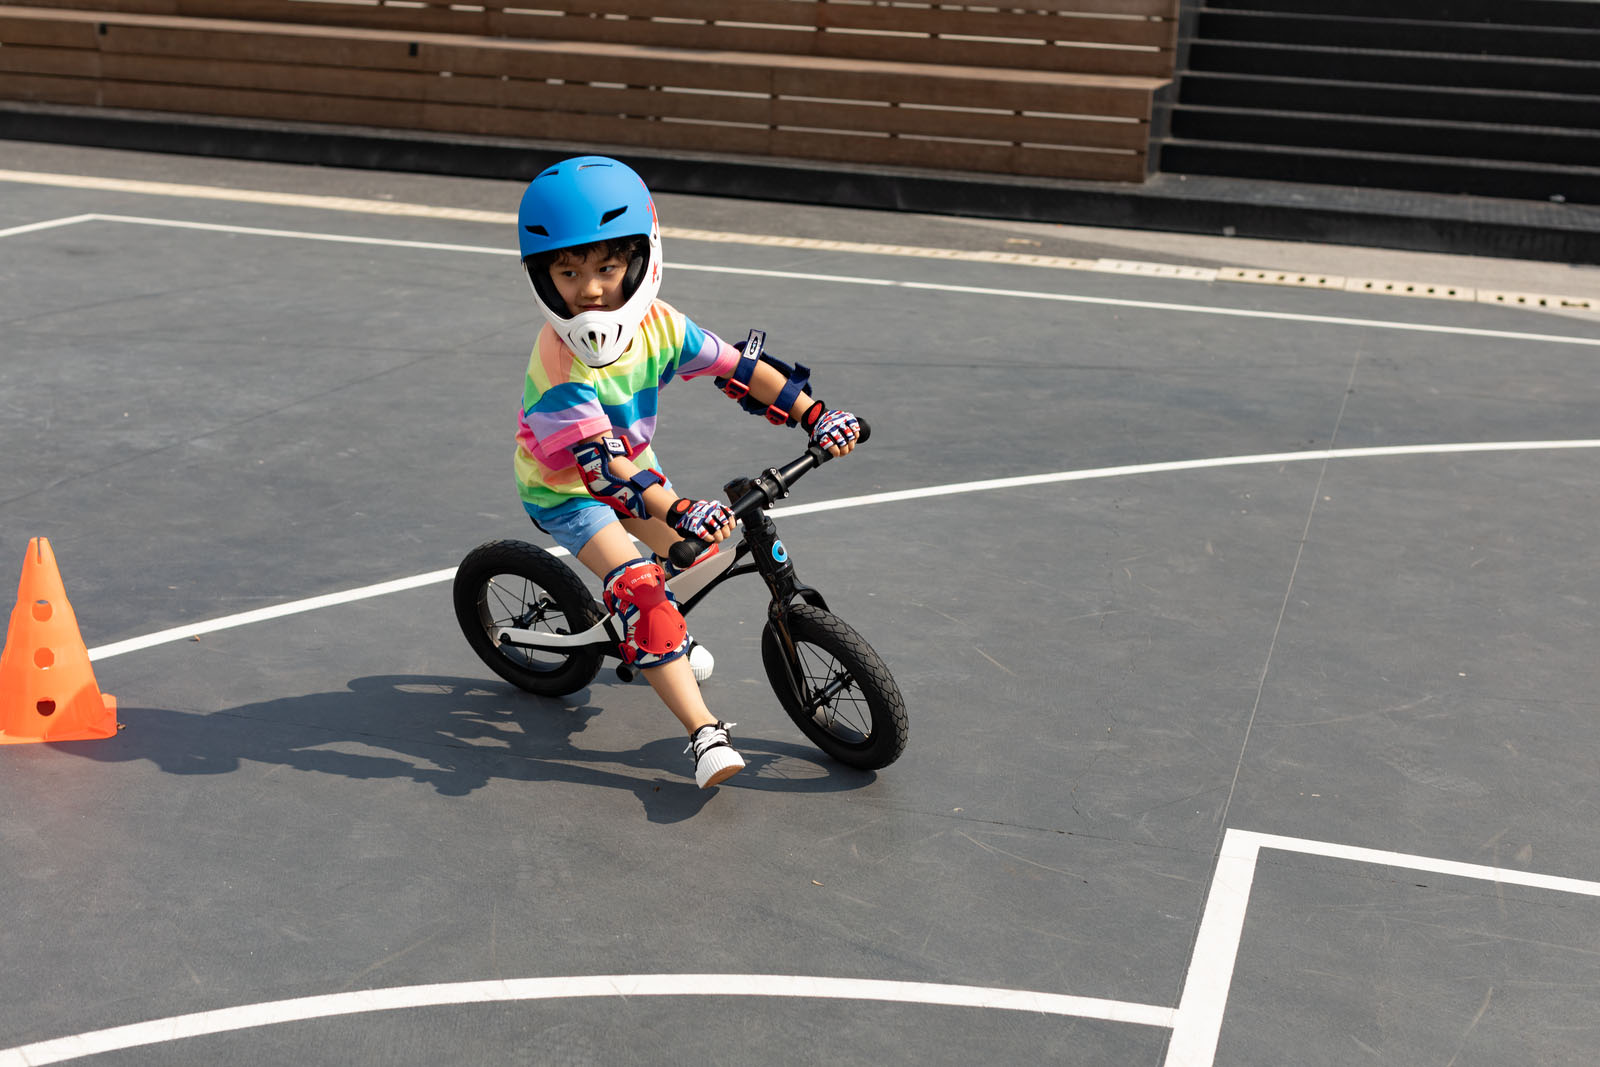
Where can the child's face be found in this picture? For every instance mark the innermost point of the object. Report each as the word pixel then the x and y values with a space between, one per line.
pixel 591 283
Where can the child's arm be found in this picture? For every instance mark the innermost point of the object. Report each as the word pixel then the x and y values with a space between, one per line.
pixel 614 479
pixel 766 385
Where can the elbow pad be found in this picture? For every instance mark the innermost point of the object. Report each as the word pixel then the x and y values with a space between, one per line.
pixel 737 384
pixel 623 495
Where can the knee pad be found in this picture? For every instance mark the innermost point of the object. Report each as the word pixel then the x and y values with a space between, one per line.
pixel 653 628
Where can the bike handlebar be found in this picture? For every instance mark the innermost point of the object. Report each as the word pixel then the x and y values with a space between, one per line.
pixel 766 489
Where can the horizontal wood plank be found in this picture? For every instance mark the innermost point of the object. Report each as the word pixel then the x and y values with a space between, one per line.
pixel 23 27
pixel 51 89
pixel 960 124
pixel 1026 25
pixel 76 62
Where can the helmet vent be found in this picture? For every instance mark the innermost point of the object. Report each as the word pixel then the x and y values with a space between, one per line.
pixel 540 230
pixel 613 213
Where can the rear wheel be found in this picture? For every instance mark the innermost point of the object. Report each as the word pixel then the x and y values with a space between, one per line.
pixel 515 585
pixel 836 688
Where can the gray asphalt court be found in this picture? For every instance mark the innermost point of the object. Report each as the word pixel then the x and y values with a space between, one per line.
pixel 1246 631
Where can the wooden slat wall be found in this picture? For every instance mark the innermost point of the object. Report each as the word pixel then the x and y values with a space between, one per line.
pixel 432 67
pixel 1135 37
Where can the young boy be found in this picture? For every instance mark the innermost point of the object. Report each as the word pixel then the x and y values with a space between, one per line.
pixel 591 247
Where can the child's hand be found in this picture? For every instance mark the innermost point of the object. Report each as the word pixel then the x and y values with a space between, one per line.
pixel 709 520
pixel 836 432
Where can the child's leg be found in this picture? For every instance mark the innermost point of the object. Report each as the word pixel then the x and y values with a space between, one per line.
pixel 610 548
pixel 659 538
pixel 715 760
pixel 657 535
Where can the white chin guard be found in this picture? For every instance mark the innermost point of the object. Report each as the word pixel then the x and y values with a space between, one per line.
pixel 598 338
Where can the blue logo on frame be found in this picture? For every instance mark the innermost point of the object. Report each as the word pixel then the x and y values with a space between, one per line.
pixel 780 553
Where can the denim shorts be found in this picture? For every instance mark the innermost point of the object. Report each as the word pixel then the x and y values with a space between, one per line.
pixel 574 522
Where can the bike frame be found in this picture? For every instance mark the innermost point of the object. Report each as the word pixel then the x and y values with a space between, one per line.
pixel 759 551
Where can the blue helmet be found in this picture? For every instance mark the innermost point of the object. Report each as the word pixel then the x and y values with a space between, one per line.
pixel 578 202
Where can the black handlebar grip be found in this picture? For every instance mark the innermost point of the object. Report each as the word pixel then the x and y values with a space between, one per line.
pixel 685 552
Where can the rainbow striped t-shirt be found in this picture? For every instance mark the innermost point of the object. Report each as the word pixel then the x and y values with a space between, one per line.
pixel 565 401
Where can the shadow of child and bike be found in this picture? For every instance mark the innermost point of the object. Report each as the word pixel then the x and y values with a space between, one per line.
pixel 455 735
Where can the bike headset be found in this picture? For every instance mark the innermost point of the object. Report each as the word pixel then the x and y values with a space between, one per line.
pixel 578 202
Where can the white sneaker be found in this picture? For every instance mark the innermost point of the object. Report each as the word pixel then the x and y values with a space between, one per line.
pixel 701 661
pixel 715 761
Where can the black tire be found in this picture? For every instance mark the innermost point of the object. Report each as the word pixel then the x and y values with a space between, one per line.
pixel 515 584
pixel 847 703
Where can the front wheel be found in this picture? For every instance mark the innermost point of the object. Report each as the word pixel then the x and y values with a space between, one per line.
pixel 836 689
pixel 515 585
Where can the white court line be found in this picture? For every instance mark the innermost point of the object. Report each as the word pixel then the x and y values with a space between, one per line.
pixel 844 279
pixel 245 618
pixel 224 1020
pixel 1180 465
pixel 179 633
pixel 392 208
pixel 1197 1020
pixel 254 196
pixel 48 224
pixel 305 235
pixel 1198 1024
pixel 1155 305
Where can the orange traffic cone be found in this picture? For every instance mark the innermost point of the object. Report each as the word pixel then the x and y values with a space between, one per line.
pixel 47 688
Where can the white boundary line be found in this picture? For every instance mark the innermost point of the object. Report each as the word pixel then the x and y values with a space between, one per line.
pixel 254 196
pixel 1156 305
pixel 1183 465
pixel 278 611
pixel 1252 275
pixel 1198 1024
pixel 305 235
pixel 844 279
pixel 179 633
pixel 34 227
pixel 246 1016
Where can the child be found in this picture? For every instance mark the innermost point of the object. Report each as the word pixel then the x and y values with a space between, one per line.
pixel 591 247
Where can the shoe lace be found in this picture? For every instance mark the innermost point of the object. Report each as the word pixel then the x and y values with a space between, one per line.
pixel 709 737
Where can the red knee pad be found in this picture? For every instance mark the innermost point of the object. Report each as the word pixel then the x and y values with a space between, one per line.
pixel 637 591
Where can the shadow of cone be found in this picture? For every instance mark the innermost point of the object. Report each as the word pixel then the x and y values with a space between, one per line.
pixel 47 688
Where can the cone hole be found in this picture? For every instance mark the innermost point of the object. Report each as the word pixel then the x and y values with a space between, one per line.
pixel 42 610
pixel 47 707
pixel 43 658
